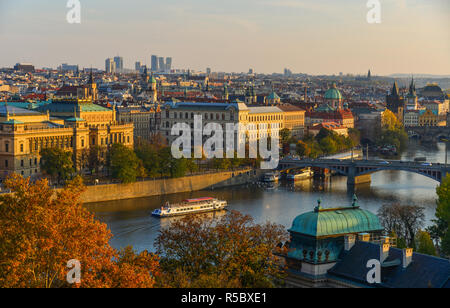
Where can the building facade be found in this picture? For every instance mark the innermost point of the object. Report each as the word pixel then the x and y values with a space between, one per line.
pixel 71 124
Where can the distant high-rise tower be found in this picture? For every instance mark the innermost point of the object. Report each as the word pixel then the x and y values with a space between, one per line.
pixel 154 67
pixel 119 64
pixel 137 66
pixel 208 71
pixel 161 64
pixel 110 66
pixel 369 75
pixel 168 64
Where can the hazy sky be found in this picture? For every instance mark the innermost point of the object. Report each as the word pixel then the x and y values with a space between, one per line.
pixel 309 36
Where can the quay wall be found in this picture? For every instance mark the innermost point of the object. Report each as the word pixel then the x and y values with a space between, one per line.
pixel 110 192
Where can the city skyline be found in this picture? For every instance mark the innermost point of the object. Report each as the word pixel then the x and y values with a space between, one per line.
pixel 313 37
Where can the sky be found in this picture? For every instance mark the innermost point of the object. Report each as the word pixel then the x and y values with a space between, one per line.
pixel 306 36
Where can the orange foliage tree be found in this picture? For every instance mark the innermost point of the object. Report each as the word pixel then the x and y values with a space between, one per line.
pixel 42 230
pixel 231 251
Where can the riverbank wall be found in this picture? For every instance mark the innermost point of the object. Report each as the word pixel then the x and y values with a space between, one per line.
pixel 112 192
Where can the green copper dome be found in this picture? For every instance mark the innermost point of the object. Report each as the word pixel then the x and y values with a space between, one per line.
pixel 339 221
pixel 333 93
pixel 273 96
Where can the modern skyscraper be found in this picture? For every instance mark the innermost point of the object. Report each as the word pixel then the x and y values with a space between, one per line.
pixel 154 63
pixel 119 64
pixel 162 66
pixel 110 66
pixel 168 64
pixel 137 66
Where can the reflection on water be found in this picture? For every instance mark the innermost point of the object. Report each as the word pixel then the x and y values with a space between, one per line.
pixel 132 224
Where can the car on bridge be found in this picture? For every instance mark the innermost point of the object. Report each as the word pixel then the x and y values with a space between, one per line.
pixel 427 164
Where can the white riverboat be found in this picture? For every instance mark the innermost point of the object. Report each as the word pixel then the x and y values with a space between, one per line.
pixel 270 177
pixel 190 206
pixel 302 175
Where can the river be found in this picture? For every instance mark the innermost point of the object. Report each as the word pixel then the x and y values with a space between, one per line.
pixel 131 222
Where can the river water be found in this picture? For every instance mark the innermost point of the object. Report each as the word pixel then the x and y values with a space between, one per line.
pixel 132 224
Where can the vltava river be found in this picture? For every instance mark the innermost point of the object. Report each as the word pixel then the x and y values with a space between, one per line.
pixel 132 224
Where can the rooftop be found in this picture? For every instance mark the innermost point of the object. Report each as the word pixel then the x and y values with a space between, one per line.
pixel 335 221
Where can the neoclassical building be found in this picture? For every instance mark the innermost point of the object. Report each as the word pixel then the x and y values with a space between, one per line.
pixel 75 125
pixel 261 121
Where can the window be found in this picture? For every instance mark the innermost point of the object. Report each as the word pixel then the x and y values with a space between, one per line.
pixel 21 148
pixel 6 147
pixel 21 163
pixel 6 163
pixel 82 143
pixel 35 161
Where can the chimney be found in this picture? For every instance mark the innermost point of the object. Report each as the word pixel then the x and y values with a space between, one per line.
pixel 364 237
pixel 407 257
pixel 385 240
pixel 384 252
pixel 349 241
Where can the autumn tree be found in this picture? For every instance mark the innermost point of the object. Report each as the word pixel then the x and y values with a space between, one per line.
pixel 231 251
pixel 392 131
pixel 424 244
pixel 42 230
pixel 57 163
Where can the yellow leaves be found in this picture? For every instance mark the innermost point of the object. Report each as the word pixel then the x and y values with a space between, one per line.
pixel 389 121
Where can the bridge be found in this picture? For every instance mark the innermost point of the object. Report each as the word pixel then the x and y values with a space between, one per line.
pixel 356 168
pixel 429 133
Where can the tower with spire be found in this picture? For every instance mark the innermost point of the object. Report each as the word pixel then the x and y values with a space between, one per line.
pixel 92 87
pixel 395 102
pixel 412 100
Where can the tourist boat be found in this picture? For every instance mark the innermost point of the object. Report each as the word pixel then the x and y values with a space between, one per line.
pixel 190 206
pixel 302 175
pixel 270 177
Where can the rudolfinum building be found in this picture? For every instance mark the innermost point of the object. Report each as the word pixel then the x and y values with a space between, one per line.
pixel 72 124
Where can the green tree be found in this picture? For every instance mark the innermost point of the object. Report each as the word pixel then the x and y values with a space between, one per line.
pixel 303 149
pixel 323 133
pixel 57 163
pixel 95 160
pixel 424 244
pixel 442 223
pixel 328 145
pixel 148 154
pixel 170 166
pixel 355 136
pixel 124 163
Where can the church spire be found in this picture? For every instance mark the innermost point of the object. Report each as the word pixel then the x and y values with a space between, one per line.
pixel 395 89
pixel 412 87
